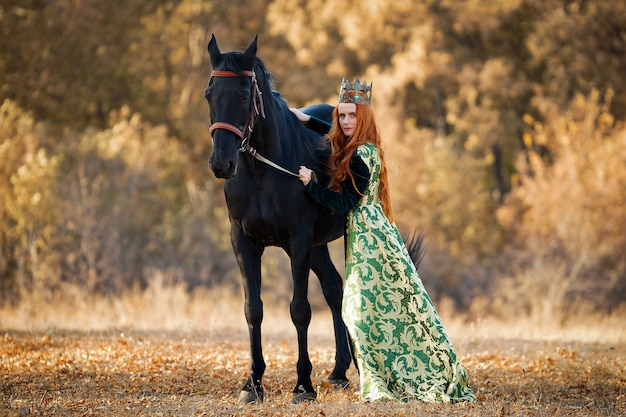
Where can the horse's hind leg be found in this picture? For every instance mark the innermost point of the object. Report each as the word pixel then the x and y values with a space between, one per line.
pixel 332 287
pixel 248 256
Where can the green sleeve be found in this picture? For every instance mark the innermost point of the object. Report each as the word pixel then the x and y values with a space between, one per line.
pixel 318 125
pixel 349 197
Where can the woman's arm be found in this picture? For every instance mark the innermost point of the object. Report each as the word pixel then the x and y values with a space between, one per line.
pixel 349 196
pixel 312 122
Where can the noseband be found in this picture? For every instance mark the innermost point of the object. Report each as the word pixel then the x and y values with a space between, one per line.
pixel 256 109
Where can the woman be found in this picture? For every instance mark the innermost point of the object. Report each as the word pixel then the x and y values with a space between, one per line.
pixel 400 345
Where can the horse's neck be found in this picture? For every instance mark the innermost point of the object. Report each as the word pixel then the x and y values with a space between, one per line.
pixel 267 135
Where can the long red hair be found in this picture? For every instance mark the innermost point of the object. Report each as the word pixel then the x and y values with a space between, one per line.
pixel 343 148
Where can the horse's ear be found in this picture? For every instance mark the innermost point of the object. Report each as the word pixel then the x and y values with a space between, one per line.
pixel 214 51
pixel 250 52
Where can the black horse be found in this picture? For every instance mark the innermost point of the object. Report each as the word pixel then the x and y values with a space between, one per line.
pixel 256 139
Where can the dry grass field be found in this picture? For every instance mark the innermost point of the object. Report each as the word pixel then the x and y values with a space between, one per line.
pixel 149 356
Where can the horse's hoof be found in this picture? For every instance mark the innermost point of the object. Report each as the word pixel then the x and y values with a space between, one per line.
pixel 338 383
pixel 304 396
pixel 249 397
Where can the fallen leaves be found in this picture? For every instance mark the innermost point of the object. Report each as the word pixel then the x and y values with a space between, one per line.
pixel 144 374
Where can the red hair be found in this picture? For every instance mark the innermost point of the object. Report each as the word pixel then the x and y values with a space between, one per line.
pixel 343 148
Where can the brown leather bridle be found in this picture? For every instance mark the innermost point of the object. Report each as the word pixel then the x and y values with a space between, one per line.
pixel 256 109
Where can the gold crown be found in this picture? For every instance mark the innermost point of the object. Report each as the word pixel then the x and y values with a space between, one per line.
pixel 356 93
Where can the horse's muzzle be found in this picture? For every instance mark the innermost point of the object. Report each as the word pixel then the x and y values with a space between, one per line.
pixel 222 169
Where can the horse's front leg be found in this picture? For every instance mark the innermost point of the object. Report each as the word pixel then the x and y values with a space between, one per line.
pixel 300 308
pixel 248 256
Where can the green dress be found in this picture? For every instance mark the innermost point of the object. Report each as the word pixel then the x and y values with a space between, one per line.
pixel 400 345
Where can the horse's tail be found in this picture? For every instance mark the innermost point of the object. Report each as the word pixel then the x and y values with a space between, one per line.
pixel 414 242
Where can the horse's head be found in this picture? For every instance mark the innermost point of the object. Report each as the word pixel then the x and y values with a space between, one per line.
pixel 233 97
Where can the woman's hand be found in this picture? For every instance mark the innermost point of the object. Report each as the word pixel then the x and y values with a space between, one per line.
pixel 304 174
pixel 303 117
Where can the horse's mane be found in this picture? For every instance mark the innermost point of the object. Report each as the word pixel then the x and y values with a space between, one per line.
pixel 310 147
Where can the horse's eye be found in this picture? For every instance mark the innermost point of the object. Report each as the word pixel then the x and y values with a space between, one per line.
pixel 207 92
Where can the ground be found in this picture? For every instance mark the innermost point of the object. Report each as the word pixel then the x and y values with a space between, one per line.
pixel 199 373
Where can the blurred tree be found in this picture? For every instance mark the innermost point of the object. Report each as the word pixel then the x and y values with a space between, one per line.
pixel 577 47
pixel 20 142
pixel 456 84
pixel 62 60
pixel 102 209
pixel 568 219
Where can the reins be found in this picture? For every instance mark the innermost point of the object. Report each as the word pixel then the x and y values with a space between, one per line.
pixel 256 109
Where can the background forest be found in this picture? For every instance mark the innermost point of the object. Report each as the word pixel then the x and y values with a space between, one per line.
pixel 503 122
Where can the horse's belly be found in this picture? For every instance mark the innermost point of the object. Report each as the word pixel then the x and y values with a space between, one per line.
pixel 268 233
pixel 274 218
pixel 260 222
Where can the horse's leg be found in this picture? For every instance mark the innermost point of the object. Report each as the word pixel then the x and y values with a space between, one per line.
pixel 332 287
pixel 248 256
pixel 300 254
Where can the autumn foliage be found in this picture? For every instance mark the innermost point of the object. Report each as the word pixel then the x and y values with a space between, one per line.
pixel 503 123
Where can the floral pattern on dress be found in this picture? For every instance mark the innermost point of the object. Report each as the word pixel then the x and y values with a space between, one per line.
pixel 400 345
